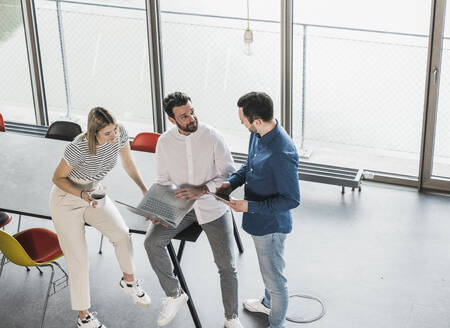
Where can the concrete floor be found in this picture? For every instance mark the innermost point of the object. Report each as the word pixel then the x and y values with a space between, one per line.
pixel 378 258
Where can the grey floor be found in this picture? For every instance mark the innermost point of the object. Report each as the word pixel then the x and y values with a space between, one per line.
pixel 379 258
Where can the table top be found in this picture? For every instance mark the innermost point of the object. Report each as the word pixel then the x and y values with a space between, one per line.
pixel 27 164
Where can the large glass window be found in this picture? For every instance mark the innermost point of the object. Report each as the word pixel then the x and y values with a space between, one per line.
pixel 96 54
pixel 205 56
pixel 441 154
pixel 359 82
pixel 16 100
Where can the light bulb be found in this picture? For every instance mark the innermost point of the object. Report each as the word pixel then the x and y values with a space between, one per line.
pixel 248 41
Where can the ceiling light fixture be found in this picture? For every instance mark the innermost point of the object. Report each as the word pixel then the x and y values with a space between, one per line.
pixel 248 34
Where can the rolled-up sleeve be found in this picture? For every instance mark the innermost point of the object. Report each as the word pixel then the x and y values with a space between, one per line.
pixel 123 138
pixel 162 173
pixel 223 162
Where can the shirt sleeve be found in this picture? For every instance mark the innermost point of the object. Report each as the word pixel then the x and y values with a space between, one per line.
pixel 123 137
pixel 238 178
pixel 285 171
pixel 223 162
pixel 73 154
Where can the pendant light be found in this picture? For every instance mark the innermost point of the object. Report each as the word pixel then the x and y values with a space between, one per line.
pixel 248 35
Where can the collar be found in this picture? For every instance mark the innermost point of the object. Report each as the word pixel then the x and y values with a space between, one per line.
pixel 269 136
pixel 176 133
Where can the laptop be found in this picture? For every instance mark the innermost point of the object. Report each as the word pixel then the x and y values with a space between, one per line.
pixel 160 203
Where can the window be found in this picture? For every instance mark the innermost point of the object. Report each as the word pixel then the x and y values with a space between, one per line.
pixel 16 100
pixel 96 55
pixel 358 100
pixel 204 56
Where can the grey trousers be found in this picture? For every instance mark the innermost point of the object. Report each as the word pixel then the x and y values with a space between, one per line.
pixel 220 237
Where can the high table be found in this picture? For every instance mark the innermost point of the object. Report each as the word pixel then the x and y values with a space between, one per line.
pixel 27 164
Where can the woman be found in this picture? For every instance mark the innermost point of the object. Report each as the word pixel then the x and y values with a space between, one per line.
pixel 86 161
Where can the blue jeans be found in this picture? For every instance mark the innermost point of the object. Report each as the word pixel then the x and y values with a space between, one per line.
pixel 270 251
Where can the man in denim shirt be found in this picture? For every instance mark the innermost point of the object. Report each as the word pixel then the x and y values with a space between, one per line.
pixel 271 190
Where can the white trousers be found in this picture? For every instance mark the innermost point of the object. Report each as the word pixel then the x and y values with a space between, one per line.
pixel 69 215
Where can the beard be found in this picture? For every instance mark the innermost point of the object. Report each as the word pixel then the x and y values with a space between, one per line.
pixel 190 127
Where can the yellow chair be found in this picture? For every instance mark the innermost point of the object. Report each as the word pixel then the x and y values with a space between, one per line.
pixel 36 247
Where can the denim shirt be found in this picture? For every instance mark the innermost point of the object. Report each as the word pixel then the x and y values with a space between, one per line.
pixel 271 183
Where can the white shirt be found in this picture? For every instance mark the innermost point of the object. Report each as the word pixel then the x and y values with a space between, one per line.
pixel 197 159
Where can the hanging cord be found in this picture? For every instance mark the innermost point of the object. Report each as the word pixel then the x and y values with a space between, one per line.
pixel 248 15
pixel 300 319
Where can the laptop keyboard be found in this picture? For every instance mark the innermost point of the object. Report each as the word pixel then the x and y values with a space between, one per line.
pixel 160 208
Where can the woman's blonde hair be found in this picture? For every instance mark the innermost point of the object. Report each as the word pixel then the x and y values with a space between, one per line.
pixel 98 118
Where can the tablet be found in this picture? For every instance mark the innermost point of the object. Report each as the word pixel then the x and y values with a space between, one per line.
pixel 221 198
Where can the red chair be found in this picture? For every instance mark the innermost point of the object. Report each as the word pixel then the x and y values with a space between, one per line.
pixel 2 124
pixel 4 219
pixel 145 141
pixel 36 247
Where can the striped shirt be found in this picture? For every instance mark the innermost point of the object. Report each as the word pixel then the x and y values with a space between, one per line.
pixel 88 167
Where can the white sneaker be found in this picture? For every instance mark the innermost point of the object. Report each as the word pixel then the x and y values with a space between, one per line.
pixel 171 305
pixel 256 305
pixel 90 321
pixel 139 296
pixel 233 323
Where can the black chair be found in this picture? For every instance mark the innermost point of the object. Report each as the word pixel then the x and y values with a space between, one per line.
pixel 188 235
pixel 63 130
pixel 191 234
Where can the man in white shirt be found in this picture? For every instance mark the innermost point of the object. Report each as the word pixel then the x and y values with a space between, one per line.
pixel 194 154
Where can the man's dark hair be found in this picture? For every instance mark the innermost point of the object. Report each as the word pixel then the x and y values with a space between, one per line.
pixel 256 105
pixel 174 99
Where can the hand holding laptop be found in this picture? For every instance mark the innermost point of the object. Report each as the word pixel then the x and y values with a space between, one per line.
pixel 190 193
pixel 194 193
pixel 156 221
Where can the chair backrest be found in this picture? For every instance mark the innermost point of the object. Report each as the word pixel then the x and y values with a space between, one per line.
pixel 41 244
pixel 4 219
pixel 63 130
pixel 13 251
pixel 2 124
pixel 145 141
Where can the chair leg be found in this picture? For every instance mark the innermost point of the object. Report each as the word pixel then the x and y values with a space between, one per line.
pixel 20 221
pixel 48 293
pixel 101 244
pixel 184 286
pixel 60 267
pixel 180 250
pixel 40 272
pixel 2 264
pixel 237 237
